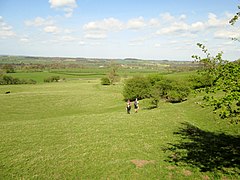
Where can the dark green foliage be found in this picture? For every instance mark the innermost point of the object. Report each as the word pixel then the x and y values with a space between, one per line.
pixel 171 90
pixel 155 92
pixel 137 87
pixel 155 87
pixel 6 80
pixel 105 81
pixel 10 80
pixel 52 79
pixel 155 78
pixel 200 81
pixel 178 93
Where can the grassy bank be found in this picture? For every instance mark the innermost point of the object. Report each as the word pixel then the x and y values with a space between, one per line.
pixel 79 129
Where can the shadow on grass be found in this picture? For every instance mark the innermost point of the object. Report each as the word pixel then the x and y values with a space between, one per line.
pixel 205 150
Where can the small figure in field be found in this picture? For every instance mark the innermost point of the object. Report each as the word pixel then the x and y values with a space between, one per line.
pixel 128 108
pixel 136 105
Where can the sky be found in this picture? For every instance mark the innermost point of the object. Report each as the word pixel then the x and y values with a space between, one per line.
pixel 144 29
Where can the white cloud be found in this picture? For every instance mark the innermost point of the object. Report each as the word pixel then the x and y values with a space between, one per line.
pixel 175 27
pixel 136 23
pixel 109 24
pixel 25 39
pixel 131 43
pixel 47 25
pixel 66 5
pixel 38 21
pixel 68 31
pixel 99 29
pixel 67 38
pixel 5 29
pixel 179 25
pixel 98 35
pixel 81 43
pixel 182 17
pixel 51 29
pixel 167 17
pixel 197 26
pixel 138 41
pixel 213 21
pixel 154 22
pixel 68 12
pixel 157 45
pixel 226 34
pixel 63 3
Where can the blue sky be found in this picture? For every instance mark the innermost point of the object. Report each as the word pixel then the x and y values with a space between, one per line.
pixel 147 29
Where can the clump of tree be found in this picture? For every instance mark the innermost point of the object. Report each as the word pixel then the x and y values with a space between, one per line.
pixel 112 77
pixel 8 68
pixel 8 80
pixel 156 88
pixel 52 79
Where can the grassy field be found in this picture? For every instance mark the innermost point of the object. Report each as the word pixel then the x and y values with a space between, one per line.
pixel 70 75
pixel 75 74
pixel 80 130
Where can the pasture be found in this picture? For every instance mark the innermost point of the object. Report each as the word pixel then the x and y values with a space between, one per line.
pixel 79 129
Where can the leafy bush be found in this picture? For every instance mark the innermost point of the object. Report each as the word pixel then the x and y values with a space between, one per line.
pixel 6 80
pixel 172 91
pixel 156 87
pixel 137 87
pixel 155 78
pixel 105 81
pixel 159 90
pixel 201 81
pixel 52 79
pixel 178 93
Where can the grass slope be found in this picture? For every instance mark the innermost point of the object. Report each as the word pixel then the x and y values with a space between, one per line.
pixel 79 129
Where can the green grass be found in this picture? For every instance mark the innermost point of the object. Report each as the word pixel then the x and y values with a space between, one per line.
pixel 37 76
pixel 80 130
pixel 68 75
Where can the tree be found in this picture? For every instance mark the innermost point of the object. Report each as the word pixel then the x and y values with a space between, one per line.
pixel 112 75
pixel 224 92
pixel 235 17
pixel 105 81
pixel 234 20
pixel 171 90
pixel 137 87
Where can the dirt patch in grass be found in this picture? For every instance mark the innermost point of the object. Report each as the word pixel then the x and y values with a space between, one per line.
pixel 187 173
pixel 170 176
pixel 171 167
pixel 141 163
pixel 205 177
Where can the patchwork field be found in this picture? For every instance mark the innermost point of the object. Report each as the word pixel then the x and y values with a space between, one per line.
pixel 78 129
